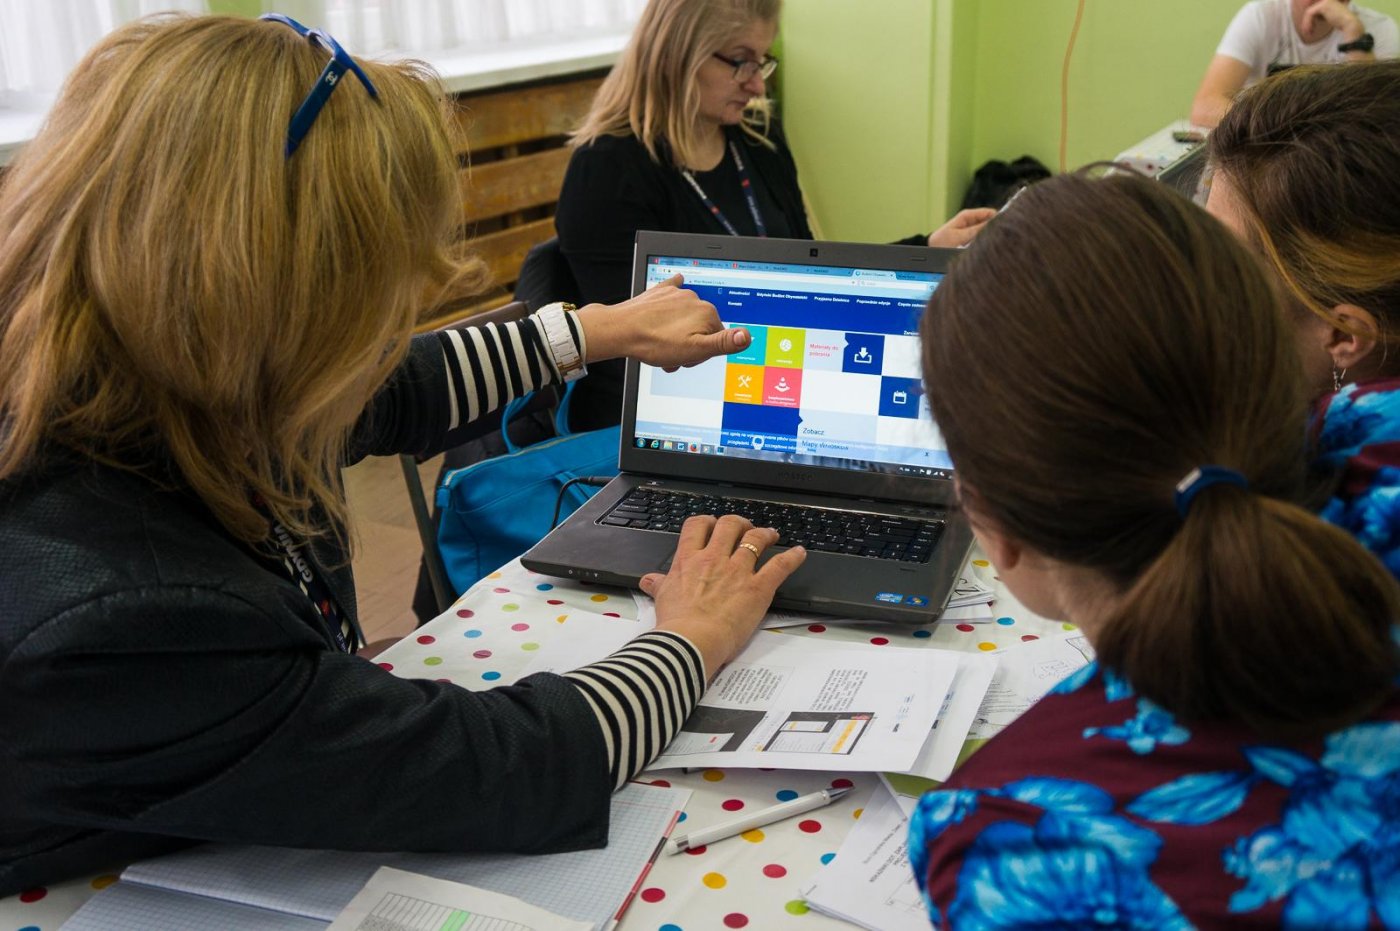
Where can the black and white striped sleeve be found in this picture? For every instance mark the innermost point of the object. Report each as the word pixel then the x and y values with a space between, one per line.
pixel 641 695
pixel 489 365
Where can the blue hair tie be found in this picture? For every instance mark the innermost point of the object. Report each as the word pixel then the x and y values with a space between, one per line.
pixel 1201 478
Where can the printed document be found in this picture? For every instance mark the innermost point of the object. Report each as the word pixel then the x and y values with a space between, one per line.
pixel 393 900
pixel 806 703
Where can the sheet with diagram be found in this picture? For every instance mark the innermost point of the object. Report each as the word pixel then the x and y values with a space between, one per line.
pixel 1024 674
pixel 799 703
pixel 395 900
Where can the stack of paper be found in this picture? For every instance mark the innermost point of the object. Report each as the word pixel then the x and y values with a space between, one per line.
pixel 870 883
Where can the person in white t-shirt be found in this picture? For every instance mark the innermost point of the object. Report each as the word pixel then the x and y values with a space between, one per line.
pixel 1268 34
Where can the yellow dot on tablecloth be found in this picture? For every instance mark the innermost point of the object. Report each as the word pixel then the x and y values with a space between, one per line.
pixel 753 837
pixel 857 813
pixel 597 597
pixel 562 618
pixel 985 645
pixel 981 564
pixel 510 607
pixel 796 907
pixel 715 880
pixel 494 575
pixel 713 775
pixel 433 661
pixel 102 882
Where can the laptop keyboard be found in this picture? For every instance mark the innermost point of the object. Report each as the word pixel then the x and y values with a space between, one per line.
pixel 824 530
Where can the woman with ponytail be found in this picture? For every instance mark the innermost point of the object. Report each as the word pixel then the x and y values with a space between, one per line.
pixel 1135 465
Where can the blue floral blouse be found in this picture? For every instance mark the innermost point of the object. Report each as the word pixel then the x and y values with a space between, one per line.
pixel 1097 809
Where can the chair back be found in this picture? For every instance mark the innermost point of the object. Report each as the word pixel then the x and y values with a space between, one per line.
pixel 545 276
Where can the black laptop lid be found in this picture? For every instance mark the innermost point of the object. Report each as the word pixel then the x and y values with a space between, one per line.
pixel 828 397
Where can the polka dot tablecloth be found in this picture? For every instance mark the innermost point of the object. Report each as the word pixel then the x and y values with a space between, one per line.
pixel 749 881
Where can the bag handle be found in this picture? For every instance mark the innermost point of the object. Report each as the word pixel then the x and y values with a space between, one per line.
pixel 516 405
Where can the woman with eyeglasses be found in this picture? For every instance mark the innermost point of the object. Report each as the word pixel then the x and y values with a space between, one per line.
pixel 208 284
pixel 1232 758
pixel 1307 173
pixel 680 139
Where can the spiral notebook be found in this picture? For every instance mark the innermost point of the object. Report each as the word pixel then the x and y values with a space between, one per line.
pixel 220 886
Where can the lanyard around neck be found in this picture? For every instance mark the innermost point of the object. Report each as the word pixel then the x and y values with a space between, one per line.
pixel 296 562
pixel 744 183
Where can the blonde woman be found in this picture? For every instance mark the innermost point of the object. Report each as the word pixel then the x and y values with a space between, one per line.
pixel 680 139
pixel 208 279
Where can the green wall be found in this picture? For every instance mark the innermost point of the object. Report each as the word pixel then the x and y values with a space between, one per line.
pixel 979 79
pixel 236 7
pixel 858 91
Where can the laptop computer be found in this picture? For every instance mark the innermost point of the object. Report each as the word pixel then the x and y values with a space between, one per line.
pixel 818 428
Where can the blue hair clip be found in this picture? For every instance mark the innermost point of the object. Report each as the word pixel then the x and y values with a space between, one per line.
pixel 1201 478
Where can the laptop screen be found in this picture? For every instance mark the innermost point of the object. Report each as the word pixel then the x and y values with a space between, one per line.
pixel 831 378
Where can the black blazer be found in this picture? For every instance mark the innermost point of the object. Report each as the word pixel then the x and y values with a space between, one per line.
pixel 160 683
pixel 613 188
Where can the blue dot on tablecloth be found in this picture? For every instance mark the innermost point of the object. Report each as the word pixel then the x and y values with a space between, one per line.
pixel 472 634
pixel 1006 621
pixel 827 858
pixel 544 587
pixel 681 818
pixel 36 928
pixel 923 633
pixel 665 927
pixel 786 795
pixel 490 676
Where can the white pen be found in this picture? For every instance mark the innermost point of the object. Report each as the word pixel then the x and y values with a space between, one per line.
pixel 758 819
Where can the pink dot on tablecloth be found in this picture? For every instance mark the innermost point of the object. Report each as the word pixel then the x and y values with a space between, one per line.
pixel 696 851
pixel 774 871
pixel 879 641
pixel 966 628
pixel 520 627
pixel 611 614
pixel 732 804
pixel 386 666
pixel 842 783
pixel 554 601
pixel 810 826
pixel 660 782
pixel 736 920
pixel 33 895
pixel 466 612
pixel 1026 638
pixel 482 654
pixel 653 894
pixel 501 591
pixel 427 638
pixel 817 628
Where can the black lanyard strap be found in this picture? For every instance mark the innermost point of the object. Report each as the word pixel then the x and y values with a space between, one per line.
pixel 744 183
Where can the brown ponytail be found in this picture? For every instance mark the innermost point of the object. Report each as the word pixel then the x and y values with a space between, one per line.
pixel 1100 340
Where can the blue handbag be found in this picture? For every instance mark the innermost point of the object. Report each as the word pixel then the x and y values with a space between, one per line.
pixel 492 511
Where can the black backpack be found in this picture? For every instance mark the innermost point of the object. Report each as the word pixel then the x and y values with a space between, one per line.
pixel 994 183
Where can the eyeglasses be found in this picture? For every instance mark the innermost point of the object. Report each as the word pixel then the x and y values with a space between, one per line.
pixel 745 69
pixel 335 69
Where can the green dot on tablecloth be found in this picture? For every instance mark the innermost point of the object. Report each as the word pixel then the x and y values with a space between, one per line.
pixel 530 646
pixel 432 661
pixel 796 907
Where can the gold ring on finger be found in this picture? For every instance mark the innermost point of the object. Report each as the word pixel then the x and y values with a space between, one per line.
pixel 750 547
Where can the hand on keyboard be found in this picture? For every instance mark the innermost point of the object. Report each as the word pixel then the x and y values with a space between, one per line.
pixel 712 595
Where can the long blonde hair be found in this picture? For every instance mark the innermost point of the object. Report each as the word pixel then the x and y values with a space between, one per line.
pixel 174 290
pixel 652 93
